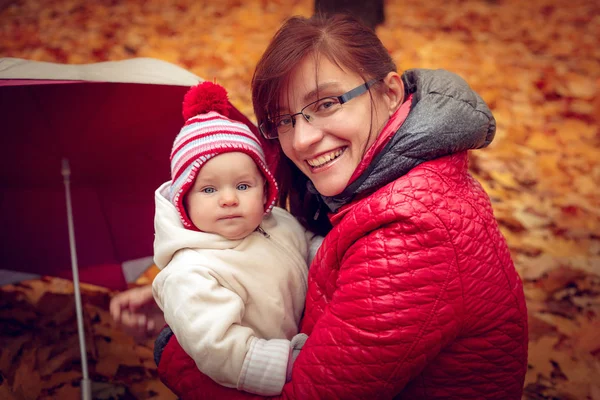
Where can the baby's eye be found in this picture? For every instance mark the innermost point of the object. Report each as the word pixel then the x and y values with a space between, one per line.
pixel 208 190
pixel 243 186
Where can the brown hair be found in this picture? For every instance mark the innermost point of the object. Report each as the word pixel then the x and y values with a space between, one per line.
pixel 347 43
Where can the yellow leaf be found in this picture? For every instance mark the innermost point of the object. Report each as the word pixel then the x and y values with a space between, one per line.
pixel 564 325
pixel 505 179
pixel 531 220
pixel 541 141
pixel 579 86
pixel 540 353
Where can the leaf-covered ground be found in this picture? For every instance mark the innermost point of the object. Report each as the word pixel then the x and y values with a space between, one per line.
pixel 536 63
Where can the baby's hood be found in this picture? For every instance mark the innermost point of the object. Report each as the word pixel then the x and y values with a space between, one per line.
pixel 170 236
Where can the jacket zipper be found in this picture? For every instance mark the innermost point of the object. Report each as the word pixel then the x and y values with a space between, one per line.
pixel 262 232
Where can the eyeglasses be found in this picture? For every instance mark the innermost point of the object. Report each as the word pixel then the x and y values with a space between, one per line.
pixel 315 113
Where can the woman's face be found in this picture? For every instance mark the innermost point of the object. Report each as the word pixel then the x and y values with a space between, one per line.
pixel 328 155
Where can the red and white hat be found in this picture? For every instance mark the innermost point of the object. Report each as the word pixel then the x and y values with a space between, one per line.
pixel 207 133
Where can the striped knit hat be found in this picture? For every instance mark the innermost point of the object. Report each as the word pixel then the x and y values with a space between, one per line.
pixel 207 133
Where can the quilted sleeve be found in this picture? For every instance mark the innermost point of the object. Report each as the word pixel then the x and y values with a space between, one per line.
pixel 397 304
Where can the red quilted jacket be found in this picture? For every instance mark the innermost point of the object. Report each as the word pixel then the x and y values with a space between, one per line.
pixel 412 295
pixel 426 253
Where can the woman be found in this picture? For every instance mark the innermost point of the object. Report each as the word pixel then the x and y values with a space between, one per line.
pixel 413 293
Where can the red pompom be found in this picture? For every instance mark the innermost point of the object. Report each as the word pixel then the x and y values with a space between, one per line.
pixel 205 97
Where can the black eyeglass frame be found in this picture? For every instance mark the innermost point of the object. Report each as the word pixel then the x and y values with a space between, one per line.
pixel 342 99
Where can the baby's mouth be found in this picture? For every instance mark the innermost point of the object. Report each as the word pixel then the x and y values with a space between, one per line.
pixel 230 217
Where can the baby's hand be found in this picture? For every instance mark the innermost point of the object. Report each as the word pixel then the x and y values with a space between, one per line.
pixel 136 313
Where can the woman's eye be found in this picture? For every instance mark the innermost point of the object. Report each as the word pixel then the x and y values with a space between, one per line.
pixel 283 121
pixel 208 190
pixel 326 105
pixel 243 186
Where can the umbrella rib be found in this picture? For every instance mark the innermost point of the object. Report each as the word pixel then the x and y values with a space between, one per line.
pixel 86 392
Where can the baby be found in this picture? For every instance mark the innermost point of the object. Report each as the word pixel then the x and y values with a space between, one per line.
pixel 233 267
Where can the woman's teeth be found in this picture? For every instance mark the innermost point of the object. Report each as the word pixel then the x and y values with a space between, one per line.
pixel 324 159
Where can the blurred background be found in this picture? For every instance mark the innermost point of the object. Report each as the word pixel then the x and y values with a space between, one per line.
pixel 536 63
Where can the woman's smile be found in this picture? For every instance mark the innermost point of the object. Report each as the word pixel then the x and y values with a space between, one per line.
pixel 325 159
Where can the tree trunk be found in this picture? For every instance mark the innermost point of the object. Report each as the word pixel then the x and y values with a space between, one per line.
pixel 370 12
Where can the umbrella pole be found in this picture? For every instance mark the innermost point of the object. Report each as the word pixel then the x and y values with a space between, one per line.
pixel 86 387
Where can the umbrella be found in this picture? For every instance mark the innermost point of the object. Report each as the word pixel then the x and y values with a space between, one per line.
pixel 115 123
pixel 83 149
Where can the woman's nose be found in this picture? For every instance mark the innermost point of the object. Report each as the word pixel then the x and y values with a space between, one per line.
pixel 228 198
pixel 305 135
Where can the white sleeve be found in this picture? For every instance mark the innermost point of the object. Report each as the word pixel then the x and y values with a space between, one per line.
pixel 206 318
pixel 266 366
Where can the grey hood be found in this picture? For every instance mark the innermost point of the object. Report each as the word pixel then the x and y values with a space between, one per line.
pixel 446 117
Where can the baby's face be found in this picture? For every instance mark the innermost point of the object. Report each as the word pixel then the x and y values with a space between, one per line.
pixel 228 197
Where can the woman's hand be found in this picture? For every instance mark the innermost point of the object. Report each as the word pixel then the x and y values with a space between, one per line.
pixel 136 313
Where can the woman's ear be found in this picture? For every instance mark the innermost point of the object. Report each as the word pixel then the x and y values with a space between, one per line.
pixel 394 91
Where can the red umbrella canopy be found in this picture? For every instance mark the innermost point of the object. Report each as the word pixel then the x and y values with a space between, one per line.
pixel 115 122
